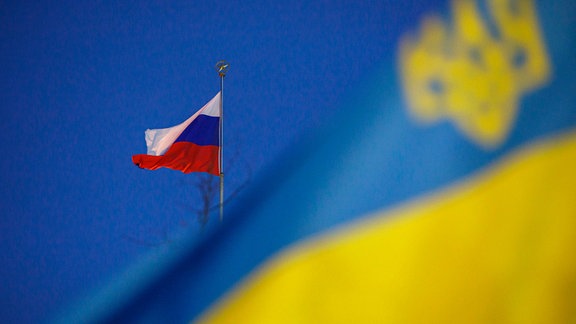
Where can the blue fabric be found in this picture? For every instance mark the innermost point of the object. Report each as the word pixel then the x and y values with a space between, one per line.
pixel 202 131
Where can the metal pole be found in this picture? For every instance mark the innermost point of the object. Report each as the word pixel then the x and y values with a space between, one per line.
pixel 222 68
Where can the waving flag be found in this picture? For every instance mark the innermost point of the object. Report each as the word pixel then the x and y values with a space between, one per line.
pixel 450 196
pixel 192 146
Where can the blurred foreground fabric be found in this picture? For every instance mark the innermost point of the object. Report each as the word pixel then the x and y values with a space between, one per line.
pixel 446 193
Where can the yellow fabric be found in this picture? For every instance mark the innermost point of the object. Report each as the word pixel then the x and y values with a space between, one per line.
pixel 497 248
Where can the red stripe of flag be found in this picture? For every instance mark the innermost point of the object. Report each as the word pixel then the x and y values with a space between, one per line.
pixel 183 156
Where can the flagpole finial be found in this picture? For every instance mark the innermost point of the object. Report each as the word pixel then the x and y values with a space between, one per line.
pixel 222 67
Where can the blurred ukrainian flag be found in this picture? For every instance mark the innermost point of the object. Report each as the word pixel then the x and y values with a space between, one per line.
pixel 447 194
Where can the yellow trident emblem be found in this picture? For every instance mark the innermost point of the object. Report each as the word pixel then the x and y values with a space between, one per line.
pixel 475 72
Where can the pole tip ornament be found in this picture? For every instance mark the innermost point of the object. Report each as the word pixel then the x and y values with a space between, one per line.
pixel 222 68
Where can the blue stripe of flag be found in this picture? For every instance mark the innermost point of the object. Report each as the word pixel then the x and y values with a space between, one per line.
pixel 202 131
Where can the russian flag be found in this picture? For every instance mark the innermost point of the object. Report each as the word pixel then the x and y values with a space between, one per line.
pixel 192 146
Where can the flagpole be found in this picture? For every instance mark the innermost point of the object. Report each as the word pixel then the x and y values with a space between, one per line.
pixel 222 68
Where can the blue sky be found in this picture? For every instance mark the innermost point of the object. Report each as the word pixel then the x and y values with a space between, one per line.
pixel 81 81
